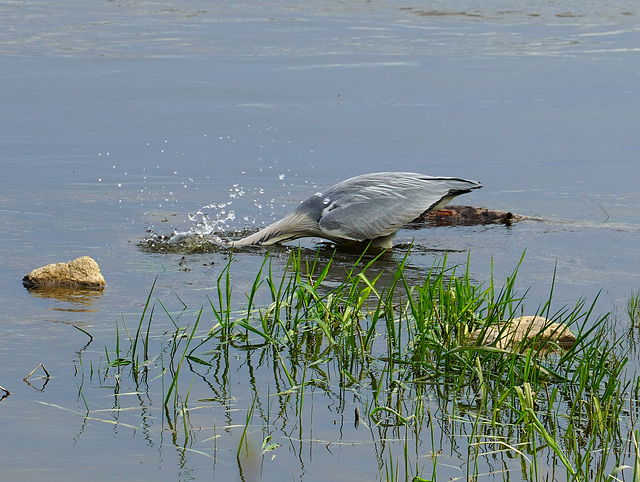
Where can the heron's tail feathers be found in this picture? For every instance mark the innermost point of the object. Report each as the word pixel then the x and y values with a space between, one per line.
pixel 456 187
pixel 460 186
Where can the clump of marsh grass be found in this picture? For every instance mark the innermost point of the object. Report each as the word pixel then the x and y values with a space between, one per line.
pixel 400 344
pixel 633 308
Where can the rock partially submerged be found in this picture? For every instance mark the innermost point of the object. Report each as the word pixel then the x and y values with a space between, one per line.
pixel 524 332
pixel 82 272
pixel 467 215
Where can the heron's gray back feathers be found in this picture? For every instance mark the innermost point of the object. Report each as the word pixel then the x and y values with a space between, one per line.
pixel 368 207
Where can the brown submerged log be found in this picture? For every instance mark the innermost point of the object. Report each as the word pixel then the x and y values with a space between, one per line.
pixel 466 216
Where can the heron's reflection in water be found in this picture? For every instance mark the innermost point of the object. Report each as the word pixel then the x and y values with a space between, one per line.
pixel 337 265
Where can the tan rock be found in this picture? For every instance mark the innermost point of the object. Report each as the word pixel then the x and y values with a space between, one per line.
pixel 81 272
pixel 525 332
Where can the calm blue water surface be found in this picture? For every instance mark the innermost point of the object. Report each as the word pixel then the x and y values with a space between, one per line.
pixel 118 117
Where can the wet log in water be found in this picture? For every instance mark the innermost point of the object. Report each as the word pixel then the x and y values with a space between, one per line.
pixel 466 216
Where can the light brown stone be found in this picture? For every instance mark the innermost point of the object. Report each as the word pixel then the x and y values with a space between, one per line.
pixel 81 272
pixel 525 332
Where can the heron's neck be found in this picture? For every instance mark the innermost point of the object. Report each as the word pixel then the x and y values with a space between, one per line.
pixel 293 226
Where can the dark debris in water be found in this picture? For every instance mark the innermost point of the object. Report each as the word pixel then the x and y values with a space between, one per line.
pixel 464 216
pixel 182 243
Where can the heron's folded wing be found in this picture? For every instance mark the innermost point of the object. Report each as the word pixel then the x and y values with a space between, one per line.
pixel 379 207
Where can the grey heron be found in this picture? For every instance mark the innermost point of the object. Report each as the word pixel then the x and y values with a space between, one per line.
pixel 366 208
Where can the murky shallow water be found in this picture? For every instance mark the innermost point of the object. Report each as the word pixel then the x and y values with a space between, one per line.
pixel 123 117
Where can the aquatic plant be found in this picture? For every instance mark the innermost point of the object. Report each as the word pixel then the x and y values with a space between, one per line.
pixel 401 350
pixel 633 308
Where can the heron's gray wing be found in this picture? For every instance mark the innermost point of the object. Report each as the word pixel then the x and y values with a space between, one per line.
pixel 375 205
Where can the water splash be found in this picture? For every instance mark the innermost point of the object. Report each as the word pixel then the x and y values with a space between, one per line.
pixel 207 233
pixel 213 227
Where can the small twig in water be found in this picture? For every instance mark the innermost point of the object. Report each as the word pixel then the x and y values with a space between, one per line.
pixel 604 211
pixel 32 372
pixel 6 393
